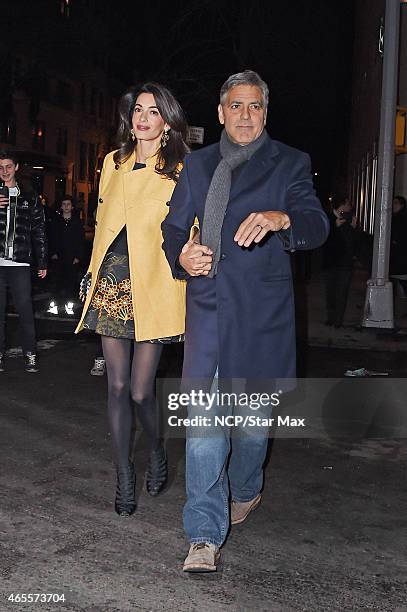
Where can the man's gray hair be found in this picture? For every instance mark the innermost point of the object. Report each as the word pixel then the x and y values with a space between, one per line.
pixel 248 77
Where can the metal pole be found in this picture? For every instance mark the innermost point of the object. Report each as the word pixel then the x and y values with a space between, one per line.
pixel 378 310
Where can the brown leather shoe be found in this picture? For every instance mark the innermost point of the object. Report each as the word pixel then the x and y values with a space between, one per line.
pixel 202 557
pixel 239 511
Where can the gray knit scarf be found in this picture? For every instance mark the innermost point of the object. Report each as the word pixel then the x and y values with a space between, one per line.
pixel 233 155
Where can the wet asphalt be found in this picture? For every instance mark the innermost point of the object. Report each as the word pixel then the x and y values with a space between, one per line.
pixel 329 534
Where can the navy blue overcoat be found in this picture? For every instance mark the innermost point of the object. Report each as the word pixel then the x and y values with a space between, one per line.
pixel 243 319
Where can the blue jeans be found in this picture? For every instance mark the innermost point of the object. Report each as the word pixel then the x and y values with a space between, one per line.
pixel 220 466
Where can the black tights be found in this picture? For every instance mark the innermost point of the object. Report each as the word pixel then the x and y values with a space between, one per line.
pixel 131 381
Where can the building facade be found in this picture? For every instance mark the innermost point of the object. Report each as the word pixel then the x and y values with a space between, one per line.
pixel 58 102
pixel 366 103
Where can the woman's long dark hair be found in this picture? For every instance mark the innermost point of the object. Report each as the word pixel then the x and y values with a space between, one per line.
pixel 170 156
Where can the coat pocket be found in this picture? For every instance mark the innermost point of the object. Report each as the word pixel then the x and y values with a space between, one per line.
pixel 272 278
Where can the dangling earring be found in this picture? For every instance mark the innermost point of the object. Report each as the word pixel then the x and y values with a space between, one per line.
pixel 133 136
pixel 164 138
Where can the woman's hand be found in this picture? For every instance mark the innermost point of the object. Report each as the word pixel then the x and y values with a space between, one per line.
pixel 196 258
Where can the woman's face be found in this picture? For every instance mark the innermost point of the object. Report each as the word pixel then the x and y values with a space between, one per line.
pixel 147 121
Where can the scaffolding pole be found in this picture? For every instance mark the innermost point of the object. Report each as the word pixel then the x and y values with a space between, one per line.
pixel 379 311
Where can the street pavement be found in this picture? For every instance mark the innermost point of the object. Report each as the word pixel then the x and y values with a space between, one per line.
pixel 329 534
pixel 312 318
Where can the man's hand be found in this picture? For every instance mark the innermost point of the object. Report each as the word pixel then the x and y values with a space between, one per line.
pixel 42 273
pixel 196 258
pixel 257 225
pixel 3 201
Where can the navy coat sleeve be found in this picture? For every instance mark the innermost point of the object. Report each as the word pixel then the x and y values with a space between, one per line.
pixel 309 223
pixel 177 225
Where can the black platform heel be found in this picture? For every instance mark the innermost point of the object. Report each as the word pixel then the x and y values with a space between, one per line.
pixel 157 471
pixel 125 502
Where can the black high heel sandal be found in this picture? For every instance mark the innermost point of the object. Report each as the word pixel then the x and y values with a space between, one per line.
pixel 157 472
pixel 125 502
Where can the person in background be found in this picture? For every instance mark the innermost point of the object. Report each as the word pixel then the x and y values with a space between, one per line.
pixel 22 235
pixel 49 210
pixel 66 251
pixel 339 254
pixel 132 301
pixel 398 246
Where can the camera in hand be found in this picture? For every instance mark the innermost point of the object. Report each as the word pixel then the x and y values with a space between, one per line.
pixel 4 190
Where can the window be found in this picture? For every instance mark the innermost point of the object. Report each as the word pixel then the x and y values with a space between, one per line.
pixel 63 94
pixel 17 70
pixel 114 110
pixel 93 101
pixel 84 98
pixel 8 130
pixel 101 105
pixel 62 141
pixel 65 7
pixel 92 162
pixel 100 8
pixel 60 188
pixel 83 160
pixel 37 181
pixel 38 133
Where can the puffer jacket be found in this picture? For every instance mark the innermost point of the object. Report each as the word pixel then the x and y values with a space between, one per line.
pixel 27 226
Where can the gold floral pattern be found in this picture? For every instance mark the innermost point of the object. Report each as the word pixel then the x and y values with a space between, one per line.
pixel 125 285
pixel 111 309
pixel 113 298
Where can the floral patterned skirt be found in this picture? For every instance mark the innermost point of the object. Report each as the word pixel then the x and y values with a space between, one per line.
pixel 111 310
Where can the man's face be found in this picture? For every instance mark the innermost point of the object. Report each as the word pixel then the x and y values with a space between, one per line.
pixel 66 206
pixel 8 171
pixel 397 206
pixel 243 113
pixel 346 207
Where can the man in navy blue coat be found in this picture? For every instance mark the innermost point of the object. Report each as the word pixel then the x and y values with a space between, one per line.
pixel 255 203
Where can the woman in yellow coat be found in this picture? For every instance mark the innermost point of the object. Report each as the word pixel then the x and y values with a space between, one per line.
pixel 131 297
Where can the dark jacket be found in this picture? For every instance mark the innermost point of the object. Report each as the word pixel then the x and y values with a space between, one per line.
pixel 26 230
pixel 398 247
pixel 243 319
pixel 340 247
pixel 67 238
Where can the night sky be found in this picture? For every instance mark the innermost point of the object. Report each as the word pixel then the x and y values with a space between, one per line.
pixel 302 49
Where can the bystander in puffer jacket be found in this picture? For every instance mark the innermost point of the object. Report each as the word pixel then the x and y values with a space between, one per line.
pixel 27 227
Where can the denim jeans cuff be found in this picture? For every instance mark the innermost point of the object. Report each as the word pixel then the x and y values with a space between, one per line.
pixel 244 501
pixel 204 539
